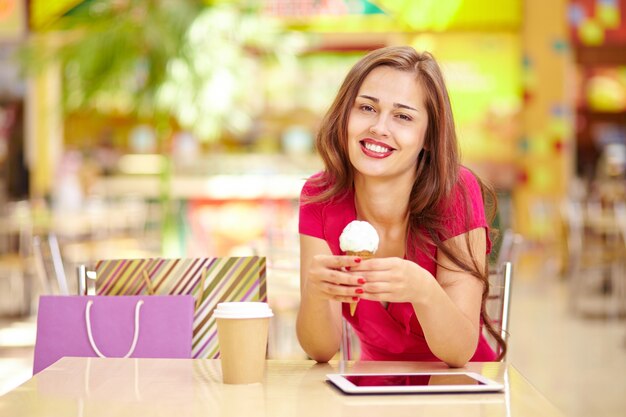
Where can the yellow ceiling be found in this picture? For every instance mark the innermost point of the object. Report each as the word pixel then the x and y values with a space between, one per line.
pixel 410 14
pixel 44 12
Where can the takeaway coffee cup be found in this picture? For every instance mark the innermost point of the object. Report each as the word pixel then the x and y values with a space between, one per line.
pixel 242 329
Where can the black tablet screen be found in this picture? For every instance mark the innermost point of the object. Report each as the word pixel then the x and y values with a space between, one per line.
pixel 412 380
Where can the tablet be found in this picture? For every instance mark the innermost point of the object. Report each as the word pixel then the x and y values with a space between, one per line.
pixel 398 383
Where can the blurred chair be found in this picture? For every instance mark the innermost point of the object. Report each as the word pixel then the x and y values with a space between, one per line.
pixel 594 257
pixel 510 248
pixel 15 251
pixel 620 218
pixel 86 278
pixel 103 229
pixel 498 304
pixel 49 265
pixel 350 344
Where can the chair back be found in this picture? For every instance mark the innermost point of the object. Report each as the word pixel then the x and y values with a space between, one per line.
pixel 510 247
pixel 620 218
pixel 574 217
pixel 350 344
pixel 15 250
pixel 498 304
pixel 49 265
pixel 593 258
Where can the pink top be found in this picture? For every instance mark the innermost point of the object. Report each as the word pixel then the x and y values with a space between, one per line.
pixel 394 333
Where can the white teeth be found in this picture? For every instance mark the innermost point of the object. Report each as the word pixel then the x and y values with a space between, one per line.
pixel 375 148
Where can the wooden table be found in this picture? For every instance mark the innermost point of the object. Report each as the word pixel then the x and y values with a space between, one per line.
pixel 183 387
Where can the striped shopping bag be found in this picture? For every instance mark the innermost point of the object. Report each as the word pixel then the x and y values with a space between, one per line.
pixel 210 280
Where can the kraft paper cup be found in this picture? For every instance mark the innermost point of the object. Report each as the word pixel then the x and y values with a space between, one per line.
pixel 242 329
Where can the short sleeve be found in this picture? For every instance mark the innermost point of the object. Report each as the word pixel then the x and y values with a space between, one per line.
pixel 464 210
pixel 310 220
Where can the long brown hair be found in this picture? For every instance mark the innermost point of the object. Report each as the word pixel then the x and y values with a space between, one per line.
pixel 438 163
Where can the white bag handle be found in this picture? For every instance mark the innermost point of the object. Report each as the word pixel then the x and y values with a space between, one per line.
pixel 135 336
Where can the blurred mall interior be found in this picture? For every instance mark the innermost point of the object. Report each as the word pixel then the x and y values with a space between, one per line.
pixel 139 129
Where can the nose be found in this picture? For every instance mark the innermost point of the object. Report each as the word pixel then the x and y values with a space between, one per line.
pixel 380 128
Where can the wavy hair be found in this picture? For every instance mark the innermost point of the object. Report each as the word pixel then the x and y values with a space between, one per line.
pixel 438 163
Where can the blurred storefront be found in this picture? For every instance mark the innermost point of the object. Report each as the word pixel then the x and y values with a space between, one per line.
pixel 479 50
pixel 533 88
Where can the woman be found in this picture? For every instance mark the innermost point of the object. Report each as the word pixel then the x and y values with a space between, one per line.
pixel 389 147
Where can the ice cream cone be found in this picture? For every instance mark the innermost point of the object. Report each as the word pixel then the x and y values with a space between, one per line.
pixel 359 238
pixel 353 308
pixel 364 254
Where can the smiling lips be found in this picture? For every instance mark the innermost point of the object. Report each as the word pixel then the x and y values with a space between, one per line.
pixel 375 149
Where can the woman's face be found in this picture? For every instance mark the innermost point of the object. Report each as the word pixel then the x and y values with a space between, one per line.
pixel 387 125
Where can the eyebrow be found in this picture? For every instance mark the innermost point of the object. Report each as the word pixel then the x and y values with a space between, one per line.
pixel 400 105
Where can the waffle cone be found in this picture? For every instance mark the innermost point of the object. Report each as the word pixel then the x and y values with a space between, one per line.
pixel 353 308
pixel 365 254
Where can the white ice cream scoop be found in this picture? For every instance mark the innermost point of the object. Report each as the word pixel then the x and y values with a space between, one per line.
pixel 359 236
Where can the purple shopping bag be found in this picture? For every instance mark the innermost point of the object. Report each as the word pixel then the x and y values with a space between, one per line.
pixel 124 326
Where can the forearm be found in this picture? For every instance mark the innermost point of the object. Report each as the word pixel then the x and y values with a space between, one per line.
pixel 318 327
pixel 450 334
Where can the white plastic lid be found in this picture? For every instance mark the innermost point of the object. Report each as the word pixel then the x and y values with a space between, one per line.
pixel 242 310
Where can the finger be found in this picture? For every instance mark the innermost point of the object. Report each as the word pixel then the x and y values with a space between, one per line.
pixel 338 262
pixel 355 280
pixel 375 264
pixel 375 276
pixel 382 296
pixel 377 288
pixel 336 277
pixel 350 299
pixel 333 290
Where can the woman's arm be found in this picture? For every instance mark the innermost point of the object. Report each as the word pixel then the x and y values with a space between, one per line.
pixel 323 286
pixel 448 308
pixel 449 311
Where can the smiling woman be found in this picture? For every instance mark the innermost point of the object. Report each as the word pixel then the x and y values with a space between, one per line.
pixel 389 148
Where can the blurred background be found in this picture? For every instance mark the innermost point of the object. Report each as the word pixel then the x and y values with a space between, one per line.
pixel 133 129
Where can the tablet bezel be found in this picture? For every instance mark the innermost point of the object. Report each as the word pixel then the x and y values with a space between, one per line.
pixel 488 385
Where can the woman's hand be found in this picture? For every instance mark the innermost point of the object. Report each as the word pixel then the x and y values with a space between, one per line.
pixel 393 280
pixel 328 277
